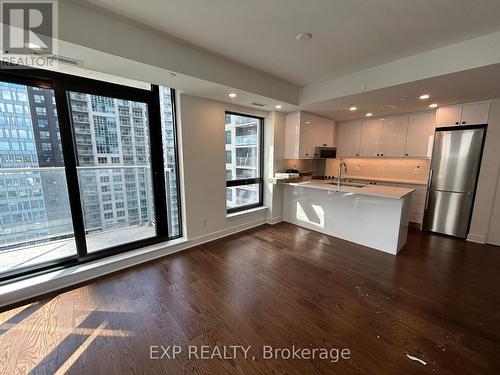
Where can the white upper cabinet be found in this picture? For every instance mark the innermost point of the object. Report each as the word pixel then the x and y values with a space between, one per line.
pixel 348 138
pixel 394 136
pixel 449 116
pixel 304 132
pixel 421 130
pixel 292 134
pixel 475 114
pixel 467 114
pixel 371 137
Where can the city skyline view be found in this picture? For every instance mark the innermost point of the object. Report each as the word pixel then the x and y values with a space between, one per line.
pixel 112 145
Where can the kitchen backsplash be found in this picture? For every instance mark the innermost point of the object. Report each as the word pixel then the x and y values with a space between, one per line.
pixel 405 169
pixel 314 166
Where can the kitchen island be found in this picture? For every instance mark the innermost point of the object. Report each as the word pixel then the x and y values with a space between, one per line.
pixel 372 215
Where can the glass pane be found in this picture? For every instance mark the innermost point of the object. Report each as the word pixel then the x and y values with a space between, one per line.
pixel 35 217
pixel 243 195
pixel 114 169
pixel 242 147
pixel 170 161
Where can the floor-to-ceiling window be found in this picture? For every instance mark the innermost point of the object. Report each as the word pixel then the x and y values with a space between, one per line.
pixel 244 166
pixel 87 169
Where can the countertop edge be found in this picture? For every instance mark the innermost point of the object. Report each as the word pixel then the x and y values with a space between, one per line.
pixel 358 192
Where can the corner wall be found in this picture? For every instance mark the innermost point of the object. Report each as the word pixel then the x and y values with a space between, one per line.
pixel 203 157
pixel 484 207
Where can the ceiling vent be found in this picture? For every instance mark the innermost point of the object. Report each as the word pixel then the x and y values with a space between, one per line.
pixel 58 58
pixel 257 104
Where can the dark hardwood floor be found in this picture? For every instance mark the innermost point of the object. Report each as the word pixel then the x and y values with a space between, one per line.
pixel 437 302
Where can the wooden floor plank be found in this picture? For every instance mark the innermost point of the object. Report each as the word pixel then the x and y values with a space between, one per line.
pixel 282 285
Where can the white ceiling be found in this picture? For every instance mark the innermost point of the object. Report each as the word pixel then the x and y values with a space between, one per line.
pixel 462 87
pixel 347 35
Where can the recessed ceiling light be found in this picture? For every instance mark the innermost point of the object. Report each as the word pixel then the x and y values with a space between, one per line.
pixel 424 96
pixel 433 105
pixel 232 95
pixel 404 99
pixel 304 37
pixel 278 106
pixel 369 114
pixel 352 108
pixel 308 122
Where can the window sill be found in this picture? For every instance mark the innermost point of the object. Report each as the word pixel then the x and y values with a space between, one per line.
pixel 246 212
pixel 26 288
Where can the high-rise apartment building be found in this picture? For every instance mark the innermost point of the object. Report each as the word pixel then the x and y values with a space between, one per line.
pixel 169 158
pixel 23 214
pixel 112 142
pixel 113 155
pixel 242 158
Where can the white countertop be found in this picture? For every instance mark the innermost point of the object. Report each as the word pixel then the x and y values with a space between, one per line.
pixel 370 190
pixel 387 179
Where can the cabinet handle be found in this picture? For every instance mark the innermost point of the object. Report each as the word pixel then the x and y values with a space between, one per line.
pixel 357 154
pixel 406 154
pixel 378 155
pixel 456 123
pixel 307 154
pixel 381 154
pixel 463 122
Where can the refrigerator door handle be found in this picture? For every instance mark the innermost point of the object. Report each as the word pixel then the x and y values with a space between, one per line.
pixel 427 201
pixel 429 183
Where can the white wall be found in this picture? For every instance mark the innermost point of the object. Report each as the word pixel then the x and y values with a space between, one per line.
pixel 274 136
pixel 203 154
pixel 494 230
pixel 488 179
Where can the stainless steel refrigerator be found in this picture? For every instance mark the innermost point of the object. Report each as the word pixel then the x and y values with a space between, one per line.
pixel 456 158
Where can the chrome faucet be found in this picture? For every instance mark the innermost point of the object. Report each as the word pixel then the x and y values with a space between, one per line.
pixel 339 177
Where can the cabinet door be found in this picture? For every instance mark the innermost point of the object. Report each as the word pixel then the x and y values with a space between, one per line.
pixel 307 135
pixel 420 128
pixel 394 136
pixel 475 114
pixel 371 137
pixel 292 134
pixel 323 132
pixel 320 132
pixel 449 116
pixel 348 138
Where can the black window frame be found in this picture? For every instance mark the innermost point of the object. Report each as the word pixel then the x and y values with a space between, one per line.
pixel 62 84
pixel 249 181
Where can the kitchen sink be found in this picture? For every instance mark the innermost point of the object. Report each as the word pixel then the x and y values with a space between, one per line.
pixel 350 184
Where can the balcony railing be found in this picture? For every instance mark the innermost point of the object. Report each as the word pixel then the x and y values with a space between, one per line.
pixel 56 222
pixel 246 161
pixel 84 120
pixel 79 108
pixel 242 140
pixel 77 96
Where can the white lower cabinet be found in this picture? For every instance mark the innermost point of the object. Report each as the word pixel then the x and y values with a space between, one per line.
pixel 417 206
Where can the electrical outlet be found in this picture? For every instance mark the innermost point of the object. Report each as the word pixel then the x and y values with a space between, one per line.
pixel 203 221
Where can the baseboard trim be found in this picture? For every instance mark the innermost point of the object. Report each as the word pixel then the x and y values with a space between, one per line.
pixel 477 238
pixel 52 282
pixel 274 220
